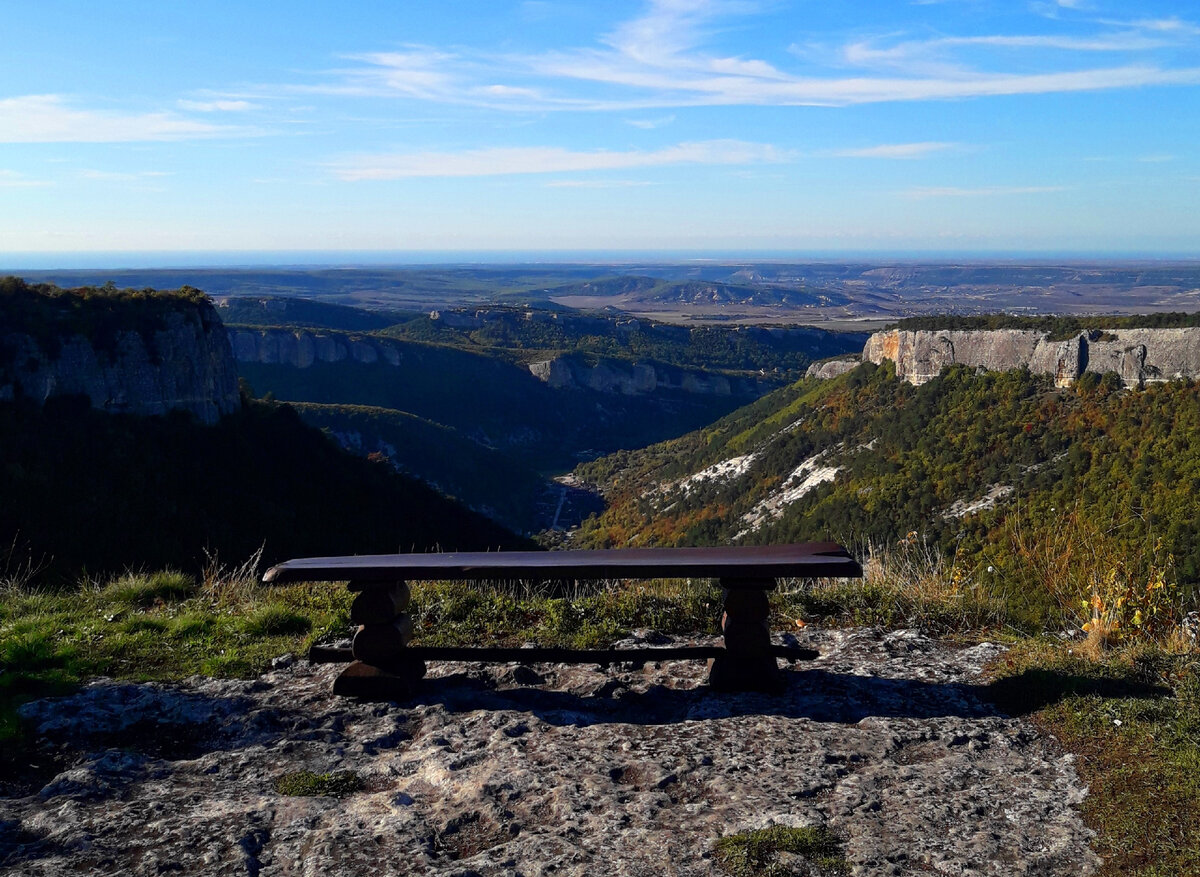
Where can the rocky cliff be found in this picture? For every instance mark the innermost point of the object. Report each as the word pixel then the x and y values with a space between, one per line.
pixel 302 348
pixel 635 379
pixel 1138 356
pixel 831 368
pixel 139 354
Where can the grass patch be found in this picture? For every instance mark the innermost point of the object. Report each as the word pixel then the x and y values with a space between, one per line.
pixel 779 851
pixel 306 784
pixel 462 613
pixel 147 589
pixel 1133 717
pixel 276 619
pixel 153 626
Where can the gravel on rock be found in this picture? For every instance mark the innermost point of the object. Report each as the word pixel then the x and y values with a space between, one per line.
pixel 551 769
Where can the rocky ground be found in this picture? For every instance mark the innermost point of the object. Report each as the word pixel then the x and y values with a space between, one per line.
pixel 507 770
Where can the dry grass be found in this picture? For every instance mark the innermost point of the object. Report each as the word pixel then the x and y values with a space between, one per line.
pixel 910 584
pixel 1110 578
pixel 231 584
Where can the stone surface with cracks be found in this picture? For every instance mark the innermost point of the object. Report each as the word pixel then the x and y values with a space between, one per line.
pixel 884 739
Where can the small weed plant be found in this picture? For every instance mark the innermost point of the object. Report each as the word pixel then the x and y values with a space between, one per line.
pixel 306 784
pixel 779 851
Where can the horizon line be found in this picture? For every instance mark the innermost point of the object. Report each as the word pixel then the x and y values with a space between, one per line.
pixel 166 260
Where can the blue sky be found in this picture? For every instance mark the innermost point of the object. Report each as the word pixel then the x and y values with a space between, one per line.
pixel 955 126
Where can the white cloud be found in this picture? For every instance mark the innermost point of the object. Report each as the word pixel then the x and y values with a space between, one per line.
pixel 416 72
pixel 896 150
pixel 660 59
pixel 985 191
pixel 650 124
pixel 1051 8
pixel 46 118
pixel 217 106
pixel 548 159
pixel 1174 29
pixel 13 180
pixel 120 176
pixel 1173 25
pixel 597 184
pixel 911 53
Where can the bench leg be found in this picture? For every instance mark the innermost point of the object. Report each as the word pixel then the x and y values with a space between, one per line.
pixel 381 670
pixel 747 664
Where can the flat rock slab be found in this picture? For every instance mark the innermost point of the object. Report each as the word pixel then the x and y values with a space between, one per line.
pixel 883 739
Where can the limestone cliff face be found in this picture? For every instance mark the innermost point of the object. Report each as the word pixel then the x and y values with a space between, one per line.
pixel 1138 356
pixel 569 372
pixel 832 368
pixel 184 364
pixel 301 348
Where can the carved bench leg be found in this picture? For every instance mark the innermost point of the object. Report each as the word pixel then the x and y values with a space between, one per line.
pixel 747 664
pixel 382 669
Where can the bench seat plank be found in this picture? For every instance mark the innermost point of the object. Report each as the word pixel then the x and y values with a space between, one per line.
pixel 805 560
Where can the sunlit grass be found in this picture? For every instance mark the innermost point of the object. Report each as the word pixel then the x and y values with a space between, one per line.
pixel 1132 711
pixel 144 626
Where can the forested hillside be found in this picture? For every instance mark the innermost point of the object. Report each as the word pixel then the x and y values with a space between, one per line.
pixel 536 389
pixel 978 464
pixel 83 489
pixel 526 334
pixel 482 478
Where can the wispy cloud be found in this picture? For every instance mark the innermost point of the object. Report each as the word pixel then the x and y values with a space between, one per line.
pixel 985 191
pixel 10 179
pixel 650 124
pixel 896 150
pixel 120 176
pixel 47 118
pixel 924 52
pixel 217 106
pixel 663 57
pixel 545 160
pixel 1052 8
pixel 597 184
pixel 418 72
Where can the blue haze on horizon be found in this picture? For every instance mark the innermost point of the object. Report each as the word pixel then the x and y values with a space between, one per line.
pixel 664 128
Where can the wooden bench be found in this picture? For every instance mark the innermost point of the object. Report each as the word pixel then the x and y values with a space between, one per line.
pixel 384 664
